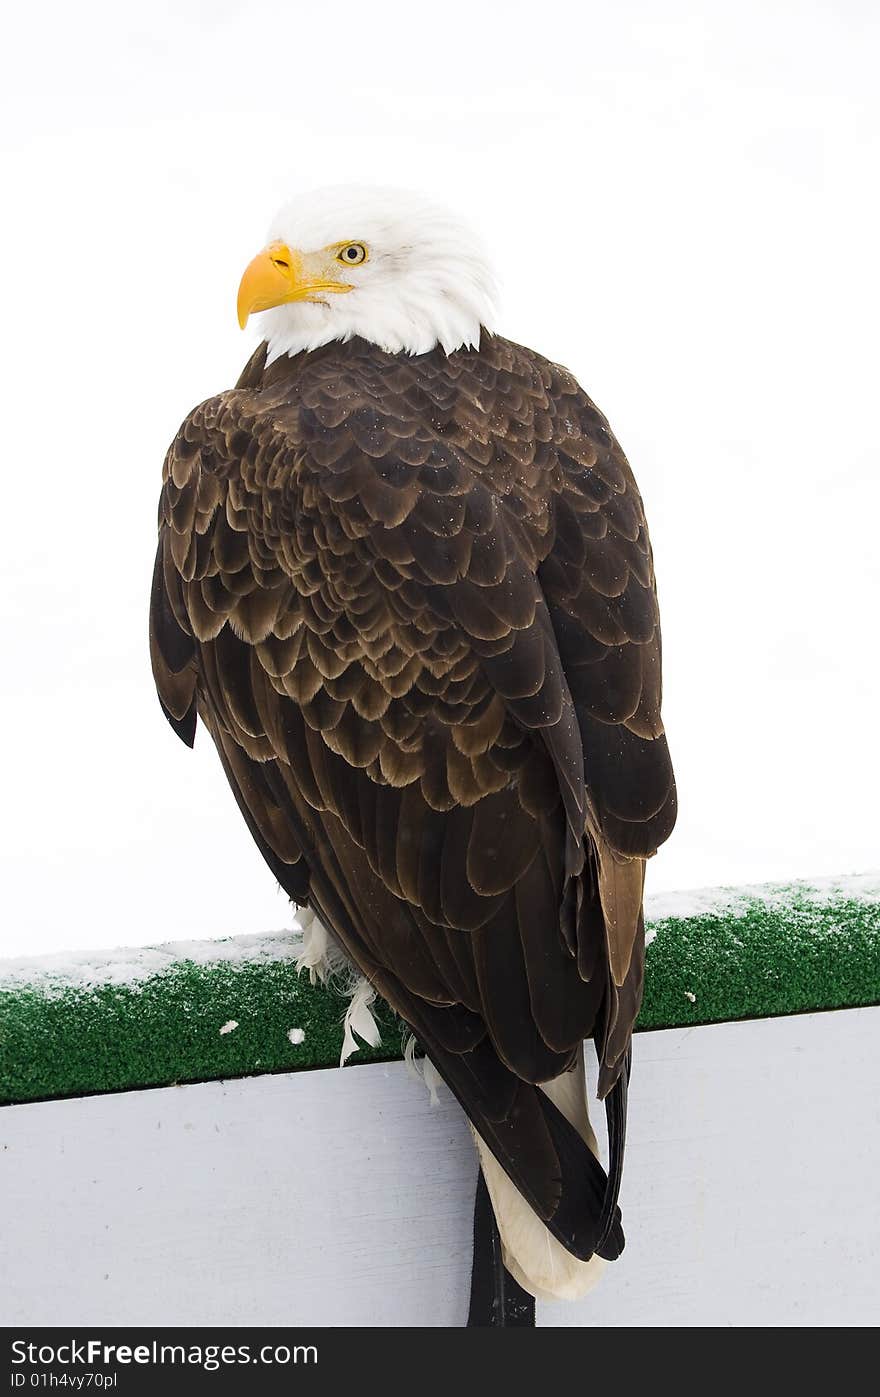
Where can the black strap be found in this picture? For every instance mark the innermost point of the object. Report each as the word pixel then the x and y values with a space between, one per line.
pixel 497 1300
pixel 615 1114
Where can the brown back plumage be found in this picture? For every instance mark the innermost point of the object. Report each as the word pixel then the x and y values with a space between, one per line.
pixel 412 600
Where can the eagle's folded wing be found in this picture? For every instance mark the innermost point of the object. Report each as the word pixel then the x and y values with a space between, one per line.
pixel 423 636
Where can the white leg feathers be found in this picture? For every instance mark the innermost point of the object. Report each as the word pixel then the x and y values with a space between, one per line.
pixel 325 960
pixel 422 1069
pixel 532 1255
pixel 321 956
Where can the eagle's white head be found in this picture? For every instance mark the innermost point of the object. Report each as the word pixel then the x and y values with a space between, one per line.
pixel 384 264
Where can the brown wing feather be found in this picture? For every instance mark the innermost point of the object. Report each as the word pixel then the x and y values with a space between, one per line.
pixel 414 601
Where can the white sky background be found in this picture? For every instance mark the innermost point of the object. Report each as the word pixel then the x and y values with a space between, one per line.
pixel 682 204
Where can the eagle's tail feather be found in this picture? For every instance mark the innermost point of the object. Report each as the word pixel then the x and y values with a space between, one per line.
pixel 537 1260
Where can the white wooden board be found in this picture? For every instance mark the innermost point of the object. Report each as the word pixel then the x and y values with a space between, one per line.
pixel 342 1197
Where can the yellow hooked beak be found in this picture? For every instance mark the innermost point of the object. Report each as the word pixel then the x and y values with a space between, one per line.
pixel 280 274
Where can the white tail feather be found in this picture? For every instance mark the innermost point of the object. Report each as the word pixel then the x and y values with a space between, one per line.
pixel 532 1255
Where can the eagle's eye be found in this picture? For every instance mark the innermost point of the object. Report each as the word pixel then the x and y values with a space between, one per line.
pixel 351 254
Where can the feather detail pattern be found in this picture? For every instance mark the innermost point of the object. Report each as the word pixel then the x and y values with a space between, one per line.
pixel 412 600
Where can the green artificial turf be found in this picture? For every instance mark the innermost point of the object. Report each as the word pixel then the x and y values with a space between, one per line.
pixel 68 1031
pixel 790 954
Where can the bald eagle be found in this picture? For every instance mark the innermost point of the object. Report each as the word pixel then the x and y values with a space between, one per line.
pixel 405 581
